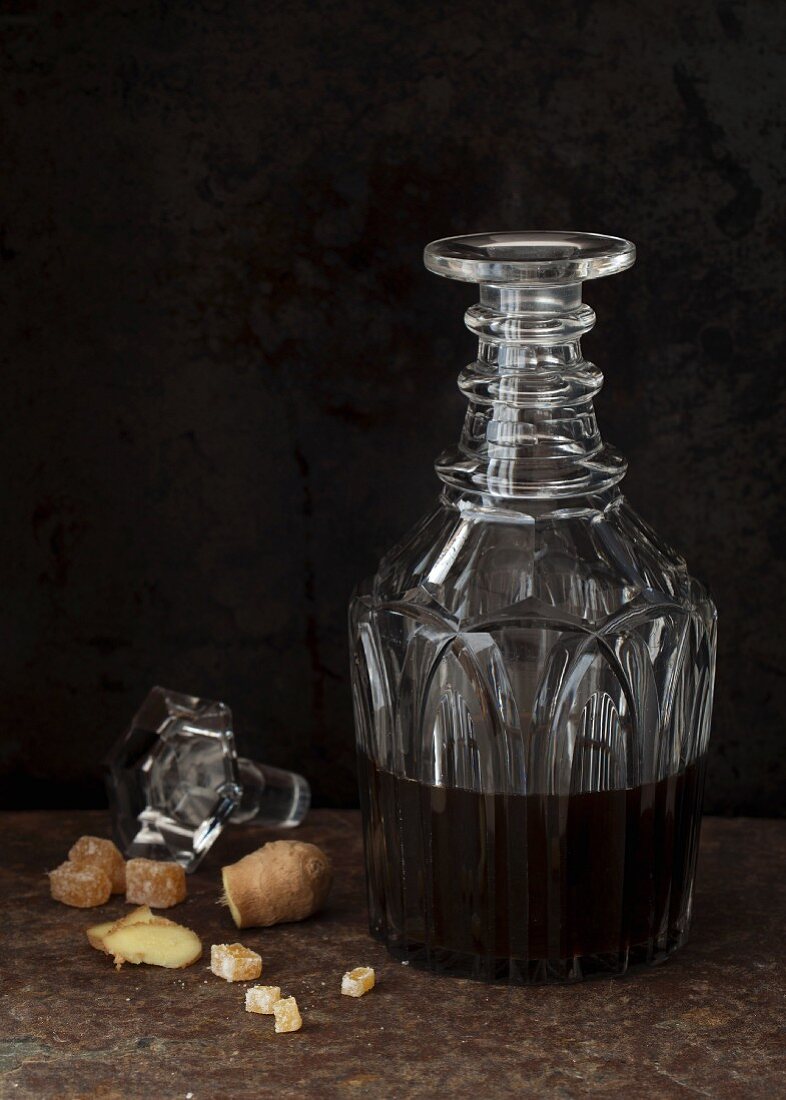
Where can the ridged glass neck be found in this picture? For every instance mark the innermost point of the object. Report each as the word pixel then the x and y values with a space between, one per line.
pixel 530 432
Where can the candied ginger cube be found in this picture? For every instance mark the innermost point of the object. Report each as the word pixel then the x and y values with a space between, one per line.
pixel 99 852
pixel 149 882
pixel 80 885
pixel 262 998
pixel 358 981
pixel 234 962
pixel 287 1015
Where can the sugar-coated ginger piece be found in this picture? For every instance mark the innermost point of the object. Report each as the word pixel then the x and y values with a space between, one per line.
pixel 158 942
pixel 234 962
pixel 80 885
pixel 287 1015
pixel 149 882
pixel 98 852
pixel 97 934
pixel 358 981
pixel 262 998
pixel 285 880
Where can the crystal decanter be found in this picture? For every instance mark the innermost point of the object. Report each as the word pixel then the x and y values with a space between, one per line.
pixel 532 665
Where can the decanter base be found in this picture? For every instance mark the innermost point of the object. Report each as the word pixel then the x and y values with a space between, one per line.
pixel 512 971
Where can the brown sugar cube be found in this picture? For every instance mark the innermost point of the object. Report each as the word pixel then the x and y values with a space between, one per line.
pixel 358 981
pixel 102 853
pixel 80 884
pixel 149 882
pixel 234 962
pixel 262 998
pixel 287 1015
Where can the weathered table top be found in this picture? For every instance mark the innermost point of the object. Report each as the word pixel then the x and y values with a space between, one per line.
pixel 708 1023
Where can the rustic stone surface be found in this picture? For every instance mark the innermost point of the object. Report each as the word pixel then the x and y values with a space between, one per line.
pixel 708 1023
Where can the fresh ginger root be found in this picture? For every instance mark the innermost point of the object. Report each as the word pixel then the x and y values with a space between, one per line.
pixel 285 880
pixel 158 942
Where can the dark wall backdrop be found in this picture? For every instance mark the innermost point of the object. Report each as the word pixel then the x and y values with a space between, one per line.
pixel 228 374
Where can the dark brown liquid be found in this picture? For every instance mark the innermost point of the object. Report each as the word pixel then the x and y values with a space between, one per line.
pixel 530 887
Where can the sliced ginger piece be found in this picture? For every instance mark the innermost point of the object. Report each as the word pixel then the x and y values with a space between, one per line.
pixel 158 942
pixel 95 934
pixel 141 915
pixel 98 933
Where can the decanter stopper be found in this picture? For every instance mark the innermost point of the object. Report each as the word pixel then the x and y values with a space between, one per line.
pixel 530 430
pixel 174 779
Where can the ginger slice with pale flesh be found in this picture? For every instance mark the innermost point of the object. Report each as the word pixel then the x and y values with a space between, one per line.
pixel 158 942
pixel 95 934
pixel 98 932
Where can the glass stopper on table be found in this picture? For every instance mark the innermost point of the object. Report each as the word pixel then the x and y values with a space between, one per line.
pixel 174 779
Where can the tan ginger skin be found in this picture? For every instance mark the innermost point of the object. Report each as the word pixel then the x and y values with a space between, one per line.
pixel 285 880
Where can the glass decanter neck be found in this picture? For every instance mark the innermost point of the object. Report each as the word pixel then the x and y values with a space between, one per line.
pixel 530 431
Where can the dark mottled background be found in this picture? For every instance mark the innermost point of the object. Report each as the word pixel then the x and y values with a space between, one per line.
pixel 228 374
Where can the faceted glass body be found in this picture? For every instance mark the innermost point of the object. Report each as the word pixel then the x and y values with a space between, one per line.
pixel 532 677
